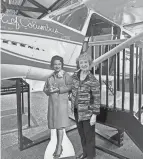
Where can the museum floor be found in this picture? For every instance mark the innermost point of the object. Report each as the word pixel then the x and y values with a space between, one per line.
pixel 9 135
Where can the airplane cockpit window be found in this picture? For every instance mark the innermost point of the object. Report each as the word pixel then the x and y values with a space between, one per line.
pixel 74 19
pixel 100 29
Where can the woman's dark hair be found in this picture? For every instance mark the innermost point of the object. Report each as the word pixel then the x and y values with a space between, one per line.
pixel 57 58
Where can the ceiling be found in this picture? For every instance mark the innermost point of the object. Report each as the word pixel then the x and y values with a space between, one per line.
pixel 33 8
pixel 120 11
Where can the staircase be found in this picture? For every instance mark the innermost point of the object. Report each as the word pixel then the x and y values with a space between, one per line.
pixel 121 97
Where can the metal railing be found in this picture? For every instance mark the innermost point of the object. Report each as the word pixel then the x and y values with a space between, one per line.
pixel 123 60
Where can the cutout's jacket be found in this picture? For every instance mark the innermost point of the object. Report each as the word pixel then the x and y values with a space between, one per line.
pixel 85 96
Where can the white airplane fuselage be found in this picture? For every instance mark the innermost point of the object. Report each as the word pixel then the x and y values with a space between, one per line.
pixel 27 46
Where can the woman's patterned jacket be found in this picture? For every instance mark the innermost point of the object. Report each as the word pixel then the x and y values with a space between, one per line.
pixel 88 93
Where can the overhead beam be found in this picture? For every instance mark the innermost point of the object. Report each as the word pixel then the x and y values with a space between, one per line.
pixel 53 7
pixel 57 4
pixel 133 24
pixel 42 15
pixel 23 2
pixel 24 14
pixel 38 5
pixel 3 8
pixel 21 8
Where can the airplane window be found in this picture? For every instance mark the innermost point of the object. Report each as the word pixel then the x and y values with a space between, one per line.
pixel 74 19
pixel 61 18
pixel 69 3
pixel 77 19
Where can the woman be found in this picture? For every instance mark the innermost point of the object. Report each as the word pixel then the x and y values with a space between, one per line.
pixel 86 104
pixel 57 87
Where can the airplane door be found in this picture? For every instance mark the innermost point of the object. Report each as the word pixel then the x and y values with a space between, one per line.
pixel 97 32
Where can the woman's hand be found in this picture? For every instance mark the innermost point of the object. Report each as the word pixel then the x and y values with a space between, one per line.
pixel 93 120
pixel 54 90
pixel 46 91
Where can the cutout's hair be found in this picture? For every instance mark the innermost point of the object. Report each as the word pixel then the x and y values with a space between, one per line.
pixel 57 58
pixel 83 56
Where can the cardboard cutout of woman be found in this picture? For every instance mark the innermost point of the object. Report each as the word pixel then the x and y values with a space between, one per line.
pixel 57 87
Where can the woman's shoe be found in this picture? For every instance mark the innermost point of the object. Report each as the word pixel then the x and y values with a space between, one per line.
pixel 55 152
pixel 56 155
pixel 81 156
